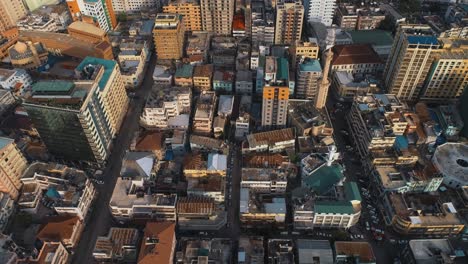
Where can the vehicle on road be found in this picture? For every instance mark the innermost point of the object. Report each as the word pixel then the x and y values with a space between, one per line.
pixel 367 226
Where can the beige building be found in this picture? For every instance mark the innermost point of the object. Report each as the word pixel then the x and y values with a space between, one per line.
pixel 12 165
pixel 410 60
pixel 204 113
pixel 275 106
pixel 289 19
pixel 168 32
pixel 28 55
pixel 217 16
pixel 202 76
pixel 10 12
pixel 449 75
pixel 190 9
pixel 304 50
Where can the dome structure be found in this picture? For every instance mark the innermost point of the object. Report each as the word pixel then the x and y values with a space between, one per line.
pixel 21 47
pixel 451 159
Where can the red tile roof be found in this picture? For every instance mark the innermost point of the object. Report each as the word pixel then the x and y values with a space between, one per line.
pixel 354 54
pixel 162 250
pixel 149 141
pixel 58 229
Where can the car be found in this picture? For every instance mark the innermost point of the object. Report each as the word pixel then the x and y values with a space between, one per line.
pixel 367 226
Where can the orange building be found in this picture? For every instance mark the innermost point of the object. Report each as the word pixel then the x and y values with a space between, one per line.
pixel 275 106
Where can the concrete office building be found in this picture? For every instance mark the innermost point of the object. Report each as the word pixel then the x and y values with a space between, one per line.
pixel 289 20
pixel 275 106
pixel 190 9
pixel 410 60
pixel 12 165
pixel 308 74
pixel 10 13
pixel 168 32
pixel 217 16
pixel 320 11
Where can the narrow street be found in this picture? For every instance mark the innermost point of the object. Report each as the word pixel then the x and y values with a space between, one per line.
pixel 100 219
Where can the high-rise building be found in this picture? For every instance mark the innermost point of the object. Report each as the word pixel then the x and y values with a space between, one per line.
pixel 410 60
pixel 35 4
pixel 263 23
pixel 168 32
pixel 322 93
pixel 70 119
pixel 320 11
pixel 135 5
pixel 100 11
pixel 12 165
pixel 448 76
pixel 10 12
pixel 308 75
pixel 190 9
pixel 217 16
pixel 289 19
pixel 275 106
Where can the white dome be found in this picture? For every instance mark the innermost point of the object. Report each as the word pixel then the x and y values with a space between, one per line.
pixel 21 47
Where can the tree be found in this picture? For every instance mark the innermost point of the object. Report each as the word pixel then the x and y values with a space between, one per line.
pixel 122 17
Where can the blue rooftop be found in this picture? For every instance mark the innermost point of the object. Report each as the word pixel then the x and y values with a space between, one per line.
pixel 282 72
pixel 426 40
pixel 311 66
pixel 5 141
pixel 401 142
pixel 108 65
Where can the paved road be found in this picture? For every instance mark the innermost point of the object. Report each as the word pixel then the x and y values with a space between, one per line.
pixel 100 218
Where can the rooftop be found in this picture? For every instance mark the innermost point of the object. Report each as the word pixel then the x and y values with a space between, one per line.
pixel 156 246
pixel 225 105
pixel 374 37
pixel 203 71
pixel 451 159
pixel 5 142
pixel 314 251
pixel 137 164
pixel 429 251
pixel 58 229
pixel 119 243
pixel 354 54
pixel 207 142
pixel 324 178
pixel 185 71
pixel 361 250
pixel 310 65
pixel 109 67
pixel 86 27
pixel 271 137
pixel 265 174
pixel 195 205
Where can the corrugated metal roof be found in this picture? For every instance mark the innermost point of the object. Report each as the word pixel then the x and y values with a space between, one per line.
pixel 333 207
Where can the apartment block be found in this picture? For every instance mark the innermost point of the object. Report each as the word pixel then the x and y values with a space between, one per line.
pixel 184 76
pixel 258 209
pixel 263 23
pixel 320 11
pixel 14 80
pixel 10 13
pixel 131 6
pixel 217 16
pixel 308 75
pixel 289 19
pixel 190 9
pixel 304 50
pixel 413 53
pixel 275 106
pixel 202 77
pixel 158 243
pixel 448 75
pixel 12 165
pixel 200 213
pixel 204 113
pixel 120 244
pixel 169 32
pixel 167 108
pixel 271 141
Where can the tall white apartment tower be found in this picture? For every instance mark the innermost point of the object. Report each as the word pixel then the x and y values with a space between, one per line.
pixel 320 11
pixel 217 16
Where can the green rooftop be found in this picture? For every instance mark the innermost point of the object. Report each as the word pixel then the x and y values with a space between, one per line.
pixel 324 178
pixel 310 66
pixel 352 191
pixel 5 141
pixel 374 37
pixel 52 86
pixel 108 65
pixel 282 73
pixel 333 207
pixel 186 71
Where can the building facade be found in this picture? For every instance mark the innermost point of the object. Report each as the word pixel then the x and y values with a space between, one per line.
pixel 99 11
pixel 190 9
pixel 217 16
pixel 135 5
pixel 307 79
pixel 275 106
pixel 169 31
pixel 289 19
pixel 12 165
pixel 10 13
pixel 320 11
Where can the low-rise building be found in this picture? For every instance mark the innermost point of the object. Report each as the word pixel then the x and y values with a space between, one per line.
pixel 68 189
pixel 196 212
pixel 167 108
pixel 158 243
pixel 207 250
pixel 251 250
pixel 267 180
pixel 204 113
pixel 7 207
pixel 223 81
pixel 280 251
pixel 198 46
pixel 355 250
pixel 64 229
pixel 244 82
pixel 201 143
pixel 7 101
pixel 258 209
pixel 161 76
pixel 133 56
pixel 202 77
pixel 356 58
pixel 244 120
pixel 308 120
pixel 53 252
pixel 421 215
pixel 271 141
pixel 313 251
pixel 149 141
pixel 451 160
pixel 14 80
pixel 51 18
pixel 184 76
pixel 420 251
pixel 347 85
pixel 120 245
pixel 202 165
